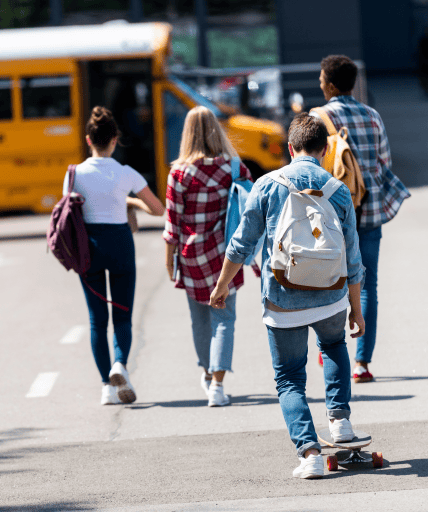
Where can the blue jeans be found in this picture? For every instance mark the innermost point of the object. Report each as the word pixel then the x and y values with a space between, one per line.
pixel 289 351
pixel 213 331
pixel 369 248
pixel 112 249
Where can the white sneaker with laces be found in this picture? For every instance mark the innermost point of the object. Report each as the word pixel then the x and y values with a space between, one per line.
pixel 216 396
pixel 312 467
pixel 341 430
pixel 119 377
pixel 205 384
pixel 109 395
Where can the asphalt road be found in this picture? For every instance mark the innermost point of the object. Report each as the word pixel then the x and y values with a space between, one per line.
pixel 62 451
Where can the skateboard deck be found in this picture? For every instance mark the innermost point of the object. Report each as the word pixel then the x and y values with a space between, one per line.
pixel 360 440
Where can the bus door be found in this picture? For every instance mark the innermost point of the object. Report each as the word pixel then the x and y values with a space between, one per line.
pixel 125 87
pixel 172 106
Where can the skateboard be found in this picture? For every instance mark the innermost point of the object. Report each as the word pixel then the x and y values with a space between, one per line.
pixel 360 440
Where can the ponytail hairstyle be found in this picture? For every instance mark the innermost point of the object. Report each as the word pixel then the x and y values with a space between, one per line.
pixel 203 137
pixel 101 127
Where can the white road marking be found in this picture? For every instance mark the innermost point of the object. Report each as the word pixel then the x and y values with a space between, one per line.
pixel 74 335
pixel 43 385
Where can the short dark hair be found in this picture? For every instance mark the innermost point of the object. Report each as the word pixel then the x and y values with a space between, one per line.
pixel 307 133
pixel 341 71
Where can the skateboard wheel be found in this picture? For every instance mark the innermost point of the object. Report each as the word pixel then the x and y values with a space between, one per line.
pixel 332 464
pixel 377 459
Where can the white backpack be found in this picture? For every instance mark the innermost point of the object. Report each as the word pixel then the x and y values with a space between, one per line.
pixel 309 251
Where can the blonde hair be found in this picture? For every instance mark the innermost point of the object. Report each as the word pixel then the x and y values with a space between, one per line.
pixel 203 137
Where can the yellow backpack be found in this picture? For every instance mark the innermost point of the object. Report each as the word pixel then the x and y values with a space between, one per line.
pixel 339 159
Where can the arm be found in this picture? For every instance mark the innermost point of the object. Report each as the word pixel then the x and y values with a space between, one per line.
pixel 174 211
pixel 355 267
pixel 221 290
pixel 356 315
pixel 169 259
pixel 247 235
pixel 384 149
pixel 146 201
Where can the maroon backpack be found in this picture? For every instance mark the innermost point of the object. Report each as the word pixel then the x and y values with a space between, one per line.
pixel 67 237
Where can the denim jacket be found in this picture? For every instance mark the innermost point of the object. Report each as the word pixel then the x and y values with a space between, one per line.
pixel 262 211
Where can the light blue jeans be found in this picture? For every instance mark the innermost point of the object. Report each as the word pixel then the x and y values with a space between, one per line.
pixel 213 331
pixel 369 247
pixel 289 351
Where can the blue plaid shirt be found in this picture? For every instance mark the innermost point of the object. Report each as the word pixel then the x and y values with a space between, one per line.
pixel 369 143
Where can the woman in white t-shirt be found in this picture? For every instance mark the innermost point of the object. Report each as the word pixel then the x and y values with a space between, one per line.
pixel 105 185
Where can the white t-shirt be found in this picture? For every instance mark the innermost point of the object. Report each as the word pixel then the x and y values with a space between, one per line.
pixel 105 185
pixel 288 320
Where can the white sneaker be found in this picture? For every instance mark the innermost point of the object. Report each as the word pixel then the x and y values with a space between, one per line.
pixel 216 396
pixel 312 467
pixel 205 384
pixel 341 430
pixel 119 377
pixel 109 395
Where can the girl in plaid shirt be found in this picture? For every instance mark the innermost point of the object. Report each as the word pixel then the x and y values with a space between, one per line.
pixel 196 201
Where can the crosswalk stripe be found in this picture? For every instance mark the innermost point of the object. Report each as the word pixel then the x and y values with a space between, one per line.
pixel 74 335
pixel 43 384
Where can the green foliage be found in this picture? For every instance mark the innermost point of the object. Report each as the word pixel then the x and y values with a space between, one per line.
pixel 23 13
pixel 95 5
pixel 248 47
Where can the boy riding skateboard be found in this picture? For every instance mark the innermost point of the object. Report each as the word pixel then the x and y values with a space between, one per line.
pixel 289 309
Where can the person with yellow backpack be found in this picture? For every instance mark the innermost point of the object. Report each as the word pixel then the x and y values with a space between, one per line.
pixel 376 192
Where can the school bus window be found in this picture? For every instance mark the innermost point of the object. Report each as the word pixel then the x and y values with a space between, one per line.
pixel 5 99
pixel 46 96
pixel 175 113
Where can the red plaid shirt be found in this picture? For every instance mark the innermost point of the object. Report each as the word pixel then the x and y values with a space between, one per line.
pixel 196 202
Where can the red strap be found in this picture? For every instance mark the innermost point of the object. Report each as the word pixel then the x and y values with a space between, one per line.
pixel 124 308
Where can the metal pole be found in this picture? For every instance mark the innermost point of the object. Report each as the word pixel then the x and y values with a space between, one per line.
pixel 136 12
pixel 55 12
pixel 201 18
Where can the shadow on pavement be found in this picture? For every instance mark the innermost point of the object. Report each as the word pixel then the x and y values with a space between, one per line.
pixel 235 400
pixel 418 467
pixel 246 400
pixel 48 507
pixel 18 434
pixel 394 379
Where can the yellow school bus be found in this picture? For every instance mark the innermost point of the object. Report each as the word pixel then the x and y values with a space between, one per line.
pixel 50 78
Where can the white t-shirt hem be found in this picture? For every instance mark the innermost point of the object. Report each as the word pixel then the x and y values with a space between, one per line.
pixel 288 320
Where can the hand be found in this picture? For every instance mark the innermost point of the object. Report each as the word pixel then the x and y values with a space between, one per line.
pixel 170 270
pixel 218 297
pixel 357 318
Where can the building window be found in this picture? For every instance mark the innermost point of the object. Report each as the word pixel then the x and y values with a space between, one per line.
pixel 46 96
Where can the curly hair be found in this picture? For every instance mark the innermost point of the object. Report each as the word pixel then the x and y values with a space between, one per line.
pixel 341 71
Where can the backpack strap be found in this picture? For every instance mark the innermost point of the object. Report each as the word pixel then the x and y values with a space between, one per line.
pixel 325 119
pixel 330 187
pixel 236 168
pixel 71 175
pixel 291 187
pixel 281 178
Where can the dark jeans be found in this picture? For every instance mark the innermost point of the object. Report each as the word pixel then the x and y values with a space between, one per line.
pixel 369 247
pixel 112 249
